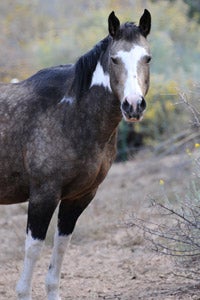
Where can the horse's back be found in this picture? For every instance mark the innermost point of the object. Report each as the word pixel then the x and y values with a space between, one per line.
pixel 51 83
pixel 20 102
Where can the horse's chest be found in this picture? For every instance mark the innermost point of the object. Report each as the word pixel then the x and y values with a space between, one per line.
pixel 91 173
pixel 97 172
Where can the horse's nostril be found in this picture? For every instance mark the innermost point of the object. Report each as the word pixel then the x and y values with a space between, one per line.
pixel 143 104
pixel 125 105
pixel 127 108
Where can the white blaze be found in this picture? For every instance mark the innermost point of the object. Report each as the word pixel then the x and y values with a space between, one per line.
pixel 130 60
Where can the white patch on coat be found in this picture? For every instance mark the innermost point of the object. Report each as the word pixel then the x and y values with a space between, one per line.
pixel 14 80
pixel 33 249
pixel 53 275
pixel 68 100
pixel 99 77
pixel 130 59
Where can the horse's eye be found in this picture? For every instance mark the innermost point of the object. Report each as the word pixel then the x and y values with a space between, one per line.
pixel 114 60
pixel 147 59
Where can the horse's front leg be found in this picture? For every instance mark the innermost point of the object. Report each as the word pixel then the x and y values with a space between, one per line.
pixel 42 203
pixel 69 211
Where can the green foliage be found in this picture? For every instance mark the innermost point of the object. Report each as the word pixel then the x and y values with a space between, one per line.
pixel 193 10
pixel 129 141
pixel 174 43
pixel 163 117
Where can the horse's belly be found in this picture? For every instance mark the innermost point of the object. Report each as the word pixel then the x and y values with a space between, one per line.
pixel 13 195
pixel 13 189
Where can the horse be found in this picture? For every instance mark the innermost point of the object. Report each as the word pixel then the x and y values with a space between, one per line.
pixel 58 131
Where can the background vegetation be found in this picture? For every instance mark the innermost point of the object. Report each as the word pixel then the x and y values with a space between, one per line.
pixel 41 33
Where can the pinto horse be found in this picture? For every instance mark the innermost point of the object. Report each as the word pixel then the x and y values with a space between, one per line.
pixel 58 133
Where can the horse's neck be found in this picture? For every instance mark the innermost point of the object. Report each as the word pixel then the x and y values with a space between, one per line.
pixel 102 113
pixel 97 110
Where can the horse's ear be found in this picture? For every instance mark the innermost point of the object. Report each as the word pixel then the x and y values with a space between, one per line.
pixel 145 23
pixel 113 24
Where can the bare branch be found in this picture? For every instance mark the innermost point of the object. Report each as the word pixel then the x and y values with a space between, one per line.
pixel 193 109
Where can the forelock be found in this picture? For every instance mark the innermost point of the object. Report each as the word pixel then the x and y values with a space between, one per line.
pixel 128 32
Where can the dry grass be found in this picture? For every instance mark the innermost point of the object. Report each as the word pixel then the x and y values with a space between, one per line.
pixel 106 259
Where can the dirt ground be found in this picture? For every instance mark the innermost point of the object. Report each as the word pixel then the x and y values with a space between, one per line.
pixel 106 259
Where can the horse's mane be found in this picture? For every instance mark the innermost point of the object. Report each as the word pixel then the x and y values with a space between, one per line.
pixel 85 67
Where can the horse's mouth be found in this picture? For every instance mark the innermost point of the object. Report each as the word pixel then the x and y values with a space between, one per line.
pixel 132 119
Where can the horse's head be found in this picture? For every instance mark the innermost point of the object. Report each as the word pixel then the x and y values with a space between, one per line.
pixel 129 64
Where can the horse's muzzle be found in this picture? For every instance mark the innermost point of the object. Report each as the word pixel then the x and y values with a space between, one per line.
pixel 133 112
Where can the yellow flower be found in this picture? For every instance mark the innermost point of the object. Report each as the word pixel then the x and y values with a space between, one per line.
pixel 161 182
pixel 197 145
pixel 188 152
pixel 169 106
